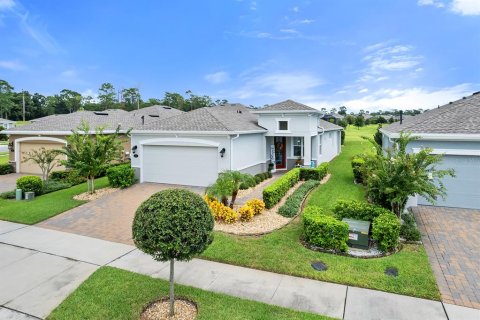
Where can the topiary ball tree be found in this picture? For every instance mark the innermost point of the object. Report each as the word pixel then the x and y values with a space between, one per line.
pixel 173 224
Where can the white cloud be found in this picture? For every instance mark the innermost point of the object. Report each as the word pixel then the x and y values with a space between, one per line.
pixel 288 31
pixel 6 5
pixel 90 93
pixel 364 90
pixel 466 7
pixel 435 3
pixel 217 77
pixel 11 65
pixel 70 73
pixel 296 9
pixel 253 5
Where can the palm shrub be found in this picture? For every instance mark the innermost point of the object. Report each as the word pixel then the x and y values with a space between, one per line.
pixel 173 224
pixel 227 185
pixel 395 174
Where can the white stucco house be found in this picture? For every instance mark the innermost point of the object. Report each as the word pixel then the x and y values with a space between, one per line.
pixel 7 124
pixel 192 148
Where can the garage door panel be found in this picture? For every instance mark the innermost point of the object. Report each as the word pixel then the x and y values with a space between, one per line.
pixel 30 166
pixel 184 165
pixel 463 190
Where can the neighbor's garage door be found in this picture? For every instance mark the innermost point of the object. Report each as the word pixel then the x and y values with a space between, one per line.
pixel 463 191
pixel 192 166
pixel 30 166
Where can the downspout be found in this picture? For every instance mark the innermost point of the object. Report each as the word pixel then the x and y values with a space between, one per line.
pixel 231 150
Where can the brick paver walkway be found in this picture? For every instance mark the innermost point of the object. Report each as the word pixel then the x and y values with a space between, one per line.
pixel 110 217
pixel 452 240
pixel 258 192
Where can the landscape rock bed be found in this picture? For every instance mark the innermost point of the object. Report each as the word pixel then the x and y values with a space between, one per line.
pixel 158 310
pixel 98 194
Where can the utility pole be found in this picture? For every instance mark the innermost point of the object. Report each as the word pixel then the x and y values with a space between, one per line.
pixel 23 103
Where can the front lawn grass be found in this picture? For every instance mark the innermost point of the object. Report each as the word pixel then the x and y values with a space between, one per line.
pixel 45 206
pixel 282 252
pixel 112 293
pixel 3 157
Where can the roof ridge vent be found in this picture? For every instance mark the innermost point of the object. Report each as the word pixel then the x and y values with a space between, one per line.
pixel 167 108
pixel 99 113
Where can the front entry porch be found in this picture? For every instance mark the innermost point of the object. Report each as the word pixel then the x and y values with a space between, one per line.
pixel 290 152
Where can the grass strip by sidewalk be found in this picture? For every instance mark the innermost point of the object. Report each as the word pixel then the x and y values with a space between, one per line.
pixel 112 293
pixel 45 206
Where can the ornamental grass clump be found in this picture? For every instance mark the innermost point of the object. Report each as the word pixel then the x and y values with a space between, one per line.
pixel 173 224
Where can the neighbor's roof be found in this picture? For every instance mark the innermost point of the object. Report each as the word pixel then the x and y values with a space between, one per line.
pixel 229 118
pixel 328 126
pixel 6 120
pixel 287 105
pixel 333 115
pixel 458 117
pixel 157 112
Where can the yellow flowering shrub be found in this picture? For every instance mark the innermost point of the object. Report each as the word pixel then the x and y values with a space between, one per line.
pixel 246 213
pixel 221 212
pixel 257 205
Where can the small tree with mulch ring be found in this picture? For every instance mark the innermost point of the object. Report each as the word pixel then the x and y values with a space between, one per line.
pixel 173 224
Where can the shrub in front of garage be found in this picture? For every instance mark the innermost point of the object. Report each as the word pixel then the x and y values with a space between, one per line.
pixel 6 169
pixel 122 176
pixel 30 184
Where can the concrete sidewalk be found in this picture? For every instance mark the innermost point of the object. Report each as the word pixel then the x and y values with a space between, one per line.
pixel 40 267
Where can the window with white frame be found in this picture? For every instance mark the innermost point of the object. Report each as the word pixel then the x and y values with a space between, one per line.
pixel 283 125
pixel 320 144
pixel 297 144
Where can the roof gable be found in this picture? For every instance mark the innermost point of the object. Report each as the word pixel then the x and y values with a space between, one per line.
pixel 288 105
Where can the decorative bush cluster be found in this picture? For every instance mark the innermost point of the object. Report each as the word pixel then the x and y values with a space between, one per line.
pixel 324 231
pixel 252 181
pixel 317 173
pixel 122 176
pixel 386 230
pixel 52 186
pixel 5 169
pixel 358 163
pixel 224 213
pixel 294 201
pixel 357 210
pixel 409 230
pixel 277 190
pixel 30 184
pixel 69 176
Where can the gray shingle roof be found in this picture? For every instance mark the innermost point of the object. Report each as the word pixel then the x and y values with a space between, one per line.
pixel 157 112
pixel 6 120
pixel 230 117
pixel 288 105
pixel 328 126
pixel 458 117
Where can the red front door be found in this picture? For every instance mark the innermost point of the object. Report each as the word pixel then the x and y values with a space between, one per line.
pixel 280 152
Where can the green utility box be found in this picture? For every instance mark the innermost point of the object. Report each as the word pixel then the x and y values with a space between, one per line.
pixel 358 233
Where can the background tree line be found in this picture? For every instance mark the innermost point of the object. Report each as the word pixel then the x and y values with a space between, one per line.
pixel 68 101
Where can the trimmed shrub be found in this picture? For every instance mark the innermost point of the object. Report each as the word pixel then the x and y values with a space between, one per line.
pixel 30 184
pixel 68 176
pixel 122 176
pixel 257 205
pixel 386 230
pixel 408 229
pixel 357 165
pixel 257 179
pixel 246 213
pixel 275 192
pixel 294 201
pixel 342 137
pixel 8 195
pixel 317 173
pixel 324 231
pixel 221 212
pixel 357 210
pixel 6 168
pixel 269 174
pixel 53 185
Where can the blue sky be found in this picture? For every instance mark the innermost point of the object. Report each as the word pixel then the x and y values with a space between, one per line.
pixel 371 54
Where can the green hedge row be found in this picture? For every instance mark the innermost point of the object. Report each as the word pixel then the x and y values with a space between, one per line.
pixel 324 231
pixel 294 201
pixel 357 210
pixel 252 181
pixel 386 230
pixel 275 192
pixel 317 173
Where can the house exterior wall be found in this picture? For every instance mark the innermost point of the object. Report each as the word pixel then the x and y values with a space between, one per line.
pixel 248 153
pixel 331 142
pixel 299 124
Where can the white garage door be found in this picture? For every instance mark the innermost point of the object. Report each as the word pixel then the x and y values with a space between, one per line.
pixel 463 190
pixel 192 166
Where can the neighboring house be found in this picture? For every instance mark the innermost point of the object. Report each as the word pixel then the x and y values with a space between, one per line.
pixel 193 147
pixel 336 117
pixel 452 130
pixel 7 124
pixel 50 132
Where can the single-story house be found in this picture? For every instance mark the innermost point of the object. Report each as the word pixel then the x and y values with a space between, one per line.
pixel 193 147
pixel 7 124
pixel 452 130
pixel 190 148
pixel 50 132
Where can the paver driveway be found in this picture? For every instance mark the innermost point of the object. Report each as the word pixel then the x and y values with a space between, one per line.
pixel 110 217
pixel 452 240
pixel 8 182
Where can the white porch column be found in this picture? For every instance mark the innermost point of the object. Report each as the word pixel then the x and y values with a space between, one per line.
pixel 307 150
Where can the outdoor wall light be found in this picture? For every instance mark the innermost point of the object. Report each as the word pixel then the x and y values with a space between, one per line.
pixel 10 147
pixel 222 152
pixel 135 155
pixel 134 148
